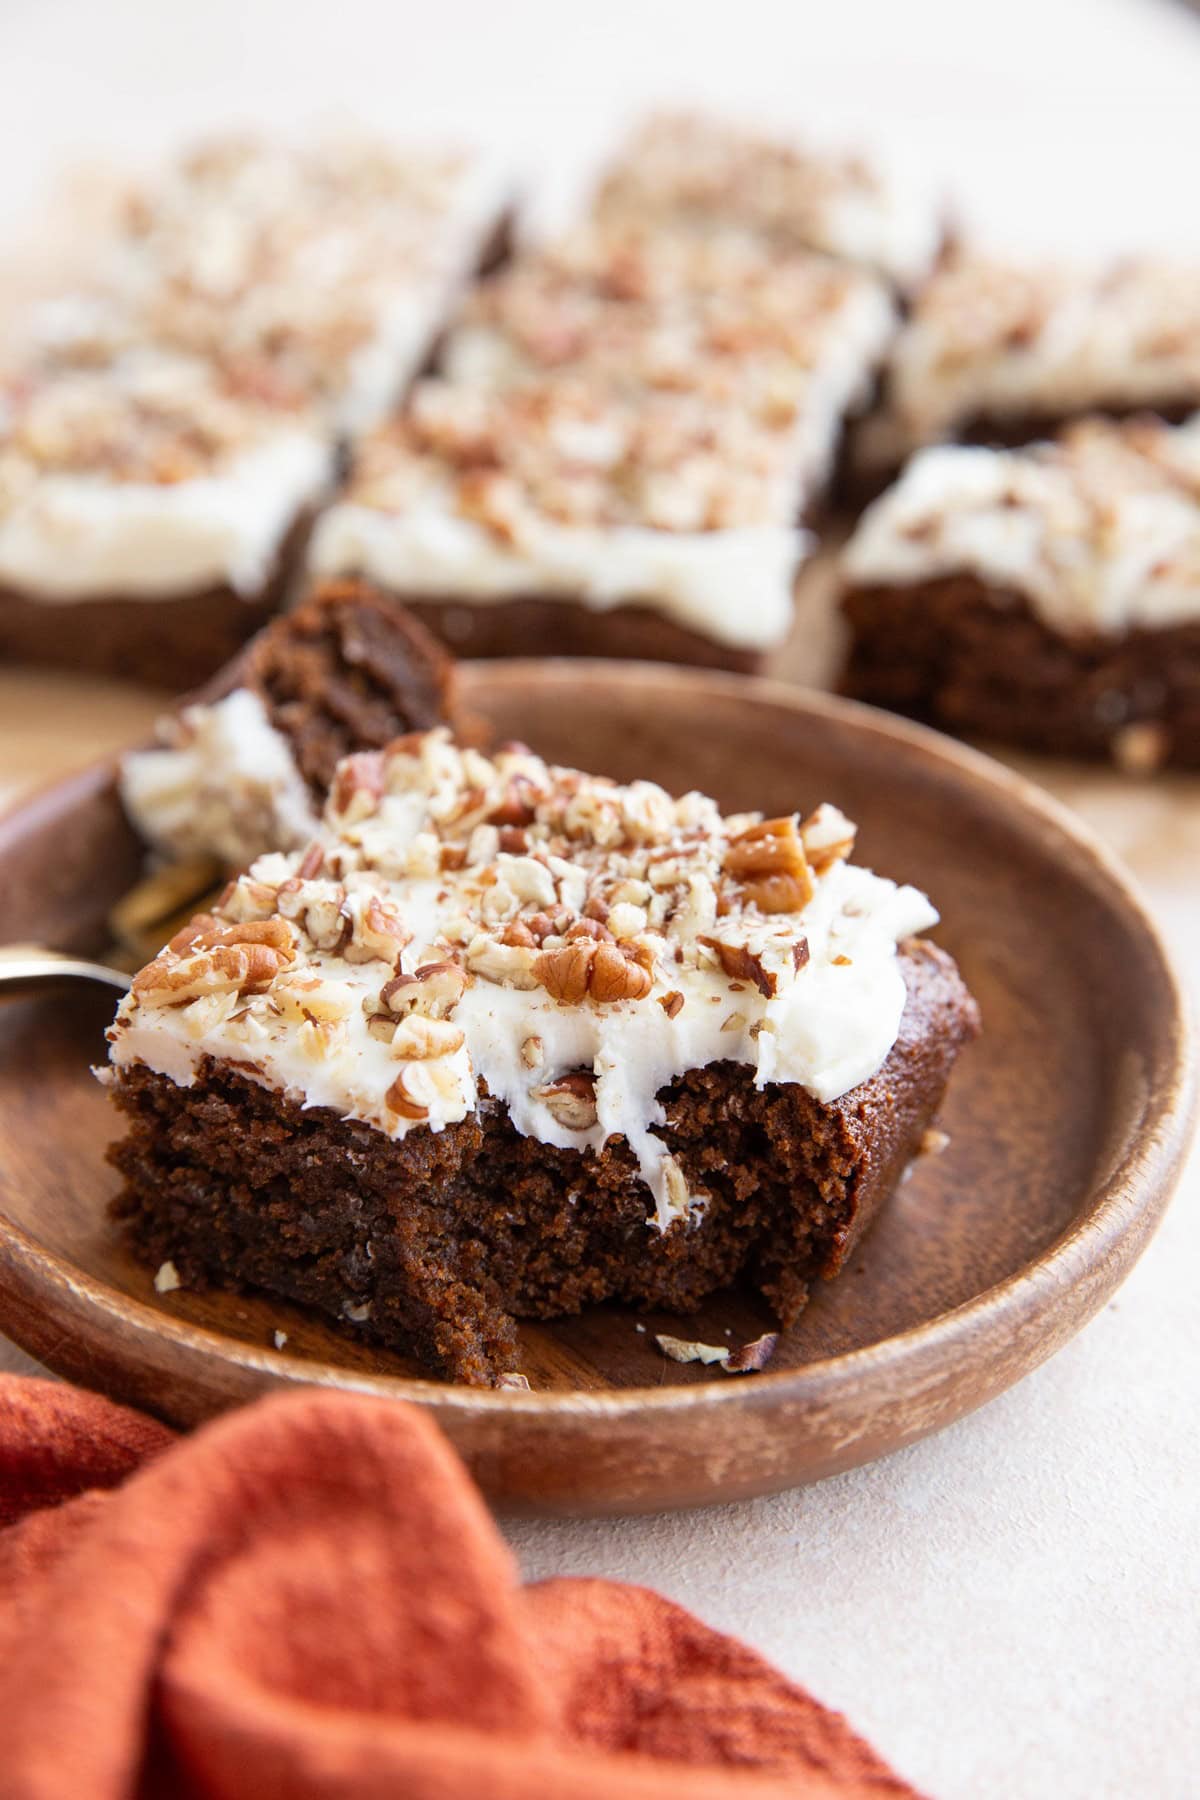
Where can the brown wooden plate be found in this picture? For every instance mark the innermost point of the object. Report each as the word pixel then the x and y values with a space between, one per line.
pixel 1068 1122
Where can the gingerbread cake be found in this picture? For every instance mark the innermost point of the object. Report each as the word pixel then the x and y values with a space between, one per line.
pixel 245 767
pixel 1003 352
pixel 1048 597
pixel 506 1039
pixel 708 173
pixel 168 427
pixel 616 455
pixel 152 510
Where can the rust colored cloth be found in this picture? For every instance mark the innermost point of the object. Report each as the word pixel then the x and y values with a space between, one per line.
pixel 309 1598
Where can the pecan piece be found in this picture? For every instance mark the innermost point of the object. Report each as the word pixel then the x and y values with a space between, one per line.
pixel 583 969
pixel 401 1101
pixel 571 1100
pixel 358 785
pixel 741 964
pixel 769 861
pixel 434 990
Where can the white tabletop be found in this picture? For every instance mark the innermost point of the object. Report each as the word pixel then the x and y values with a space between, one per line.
pixel 1011 1611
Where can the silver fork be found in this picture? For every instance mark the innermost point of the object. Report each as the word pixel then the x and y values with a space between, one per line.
pixel 30 969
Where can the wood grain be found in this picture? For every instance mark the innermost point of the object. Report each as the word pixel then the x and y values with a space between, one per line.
pixel 1067 1121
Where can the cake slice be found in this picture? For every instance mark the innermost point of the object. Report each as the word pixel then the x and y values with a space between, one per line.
pixel 326 267
pixel 245 767
pixel 505 1040
pixel 1047 597
pixel 152 510
pixel 1004 352
pixel 707 173
pixel 616 456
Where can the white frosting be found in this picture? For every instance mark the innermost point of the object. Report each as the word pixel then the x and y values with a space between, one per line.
pixel 997 341
pixel 1039 523
pixel 82 536
pixel 732 586
pixel 409 318
pixel 828 1025
pixel 715 173
pixel 224 783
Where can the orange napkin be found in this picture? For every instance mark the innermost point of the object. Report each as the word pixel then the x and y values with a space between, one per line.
pixel 308 1598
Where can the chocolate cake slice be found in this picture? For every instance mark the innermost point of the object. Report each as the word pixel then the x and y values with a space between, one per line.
pixel 505 1040
pixel 244 767
pixel 704 172
pixel 1048 598
pixel 152 510
pixel 614 460
pixel 168 428
pixel 1002 352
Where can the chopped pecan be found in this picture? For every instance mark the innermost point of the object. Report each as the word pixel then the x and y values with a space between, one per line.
pixel 434 990
pixel 418 1037
pixel 672 1003
pixel 400 1100
pixel 768 860
pixel 584 969
pixel 358 785
pixel 379 934
pixel 741 964
pixel 571 1100
pixel 828 837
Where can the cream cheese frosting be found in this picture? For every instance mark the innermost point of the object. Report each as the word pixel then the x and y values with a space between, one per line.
pixel 469 931
pixel 324 269
pixel 732 586
pixel 710 173
pixel 222 782
pixel 622 419
pixel 1099 532
pixel 147 478
pixel 996 340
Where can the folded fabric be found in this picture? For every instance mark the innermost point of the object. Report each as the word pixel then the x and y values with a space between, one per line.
pixel 309 1598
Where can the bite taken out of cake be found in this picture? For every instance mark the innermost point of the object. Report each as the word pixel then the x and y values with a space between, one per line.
pixel 506 1039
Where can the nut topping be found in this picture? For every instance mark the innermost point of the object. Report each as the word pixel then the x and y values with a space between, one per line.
pixel 571 1100
pixel 584 969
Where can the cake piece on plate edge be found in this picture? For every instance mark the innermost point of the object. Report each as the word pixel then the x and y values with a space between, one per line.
pixel 506 1040
pixel 244 766
pixel 1048 597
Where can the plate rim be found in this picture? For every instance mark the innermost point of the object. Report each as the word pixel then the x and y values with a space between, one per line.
pixel 1121 1216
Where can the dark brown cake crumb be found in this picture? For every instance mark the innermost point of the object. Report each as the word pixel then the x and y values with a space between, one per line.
pixel 349 670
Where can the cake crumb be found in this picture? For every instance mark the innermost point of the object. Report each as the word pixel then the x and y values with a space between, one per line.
pixel 747 1359
pixel 166 1279
pixel 1141 748
pixel 934 1141
pixel 514 1379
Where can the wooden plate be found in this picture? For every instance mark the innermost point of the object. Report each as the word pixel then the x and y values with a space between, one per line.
pixel 1068 1123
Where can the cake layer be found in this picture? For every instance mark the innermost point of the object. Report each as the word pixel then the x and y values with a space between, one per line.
pixel 688 169
pixel 152 477
pixel 533 625
pixel 976 659
pixel 431 1243
pixel 993 348
pixel 623 420
pixel 1098 533
pixel 245 768
pixel 173 643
